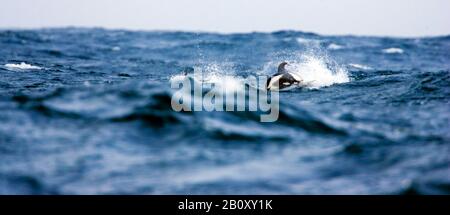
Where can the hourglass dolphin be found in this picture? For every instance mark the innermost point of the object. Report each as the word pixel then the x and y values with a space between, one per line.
pixel 282 79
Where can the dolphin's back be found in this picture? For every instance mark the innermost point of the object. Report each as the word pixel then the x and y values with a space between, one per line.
pixel 282 79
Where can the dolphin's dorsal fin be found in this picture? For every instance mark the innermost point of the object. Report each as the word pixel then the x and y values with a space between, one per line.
pixel 281 68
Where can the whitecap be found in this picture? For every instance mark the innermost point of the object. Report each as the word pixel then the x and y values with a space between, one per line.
pixel 393 51
pixel 359 66
pixel 22 65
pixel 334 46
pixel 305 41
pixel 115 48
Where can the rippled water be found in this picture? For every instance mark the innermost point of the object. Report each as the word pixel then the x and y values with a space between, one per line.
pixel 87 111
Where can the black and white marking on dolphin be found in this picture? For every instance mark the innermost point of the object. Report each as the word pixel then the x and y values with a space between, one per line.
pixel 282 79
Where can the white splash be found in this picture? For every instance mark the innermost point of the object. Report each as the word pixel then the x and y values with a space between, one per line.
pixel 177 78
pixel 393 51
pixel 215 74
pixel 228 82
pixel 22 65
pixel 315 72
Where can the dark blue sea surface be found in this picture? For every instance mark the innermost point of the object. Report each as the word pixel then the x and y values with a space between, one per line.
pixel 88 111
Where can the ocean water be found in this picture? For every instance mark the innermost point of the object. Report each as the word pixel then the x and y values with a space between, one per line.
pixel 87 111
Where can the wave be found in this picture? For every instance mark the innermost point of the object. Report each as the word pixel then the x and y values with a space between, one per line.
pixel 22 66
pixel 308 42
pixel 393 51
pixel 334 46
pixel 360 66
pixel 435 182
pixel 430 86
pixel 148 103
pixel 115 48
pixel 151 105
pixel 380 128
